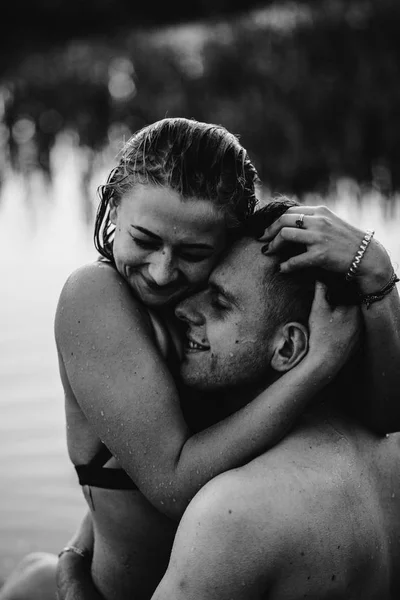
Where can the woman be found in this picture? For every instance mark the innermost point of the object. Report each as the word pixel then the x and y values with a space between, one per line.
pixel 165 217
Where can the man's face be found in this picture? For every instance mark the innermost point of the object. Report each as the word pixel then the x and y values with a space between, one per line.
pixel 230 324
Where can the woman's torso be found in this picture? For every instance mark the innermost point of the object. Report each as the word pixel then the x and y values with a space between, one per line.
pixel 133 540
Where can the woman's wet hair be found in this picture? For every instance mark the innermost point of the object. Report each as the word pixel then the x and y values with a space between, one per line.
pixel 196 159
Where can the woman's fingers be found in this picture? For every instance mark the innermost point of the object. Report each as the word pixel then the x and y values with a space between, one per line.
pixel 320 302
pixel 289 235
pixel 290 218
pixel 300 261
pixel 286 220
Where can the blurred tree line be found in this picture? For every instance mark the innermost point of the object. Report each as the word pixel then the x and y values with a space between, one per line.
pixel 312 88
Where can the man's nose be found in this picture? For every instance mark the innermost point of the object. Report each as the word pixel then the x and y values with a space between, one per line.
pixel 189 310
pixel 162 268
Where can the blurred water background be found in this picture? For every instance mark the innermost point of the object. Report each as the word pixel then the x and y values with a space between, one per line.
pixel 320 119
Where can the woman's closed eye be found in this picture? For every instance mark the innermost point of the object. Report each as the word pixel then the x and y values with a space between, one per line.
pixel 187 255
pixel 146 244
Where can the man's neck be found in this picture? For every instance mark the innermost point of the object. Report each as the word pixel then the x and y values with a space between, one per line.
pixel 203 409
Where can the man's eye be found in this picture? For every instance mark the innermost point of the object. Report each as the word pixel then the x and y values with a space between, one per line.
pixel 218 304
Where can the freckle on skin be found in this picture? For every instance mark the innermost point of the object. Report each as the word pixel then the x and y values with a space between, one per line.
pixel 229 511
pixel 333 577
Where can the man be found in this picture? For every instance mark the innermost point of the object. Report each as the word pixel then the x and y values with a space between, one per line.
pixel 317 516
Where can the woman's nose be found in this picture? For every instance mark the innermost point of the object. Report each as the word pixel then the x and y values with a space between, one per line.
pixel 162 269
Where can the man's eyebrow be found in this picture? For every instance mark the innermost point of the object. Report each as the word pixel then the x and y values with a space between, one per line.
pixel 218 289
pixel 184 244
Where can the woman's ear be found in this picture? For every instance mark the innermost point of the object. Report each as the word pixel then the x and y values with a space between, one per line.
pixel 290 347
pixel 113 211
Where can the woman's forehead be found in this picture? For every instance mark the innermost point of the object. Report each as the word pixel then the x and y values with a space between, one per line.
pixel 163 211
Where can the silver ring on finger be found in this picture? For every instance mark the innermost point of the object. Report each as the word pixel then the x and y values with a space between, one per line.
pixel 300 222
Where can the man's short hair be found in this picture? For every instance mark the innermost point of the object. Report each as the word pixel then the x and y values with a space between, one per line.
pixel 293 292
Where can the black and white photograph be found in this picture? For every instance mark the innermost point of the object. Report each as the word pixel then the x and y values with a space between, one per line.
pixel 199 300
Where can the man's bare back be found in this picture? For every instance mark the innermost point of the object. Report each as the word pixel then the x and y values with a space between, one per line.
pixel 316 517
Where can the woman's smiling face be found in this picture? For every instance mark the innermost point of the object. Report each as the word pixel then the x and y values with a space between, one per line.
pixel 165 246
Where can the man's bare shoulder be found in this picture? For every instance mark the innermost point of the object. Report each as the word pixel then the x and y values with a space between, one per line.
pixel 303 518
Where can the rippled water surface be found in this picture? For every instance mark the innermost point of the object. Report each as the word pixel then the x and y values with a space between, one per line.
pixel 43 238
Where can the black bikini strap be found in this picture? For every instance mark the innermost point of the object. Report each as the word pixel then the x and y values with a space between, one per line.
pixel 112 479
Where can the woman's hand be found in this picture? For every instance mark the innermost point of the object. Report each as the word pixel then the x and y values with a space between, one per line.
pixel 330 243
pixel 73 575
pixel 335 332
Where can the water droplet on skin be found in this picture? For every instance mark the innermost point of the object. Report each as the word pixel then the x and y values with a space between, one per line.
pixel 231 354
pixel 102 413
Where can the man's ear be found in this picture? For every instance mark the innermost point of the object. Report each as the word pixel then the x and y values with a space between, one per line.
pixel 291 346
pixel 113 210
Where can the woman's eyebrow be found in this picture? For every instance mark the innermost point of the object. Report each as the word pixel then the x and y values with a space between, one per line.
pixel 199 246
pixel 147 232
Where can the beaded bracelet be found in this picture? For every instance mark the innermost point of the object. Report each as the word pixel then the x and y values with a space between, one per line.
pixel 368 299
pixel 359 254
pixel 75 550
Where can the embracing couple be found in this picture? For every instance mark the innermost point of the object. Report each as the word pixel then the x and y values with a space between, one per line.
pixel 230 373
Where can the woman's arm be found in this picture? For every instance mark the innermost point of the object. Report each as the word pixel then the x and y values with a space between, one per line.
pixel 331 244
pixel 129 397
pixel 382 355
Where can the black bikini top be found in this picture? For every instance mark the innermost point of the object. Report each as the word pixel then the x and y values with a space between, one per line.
pixel 95 474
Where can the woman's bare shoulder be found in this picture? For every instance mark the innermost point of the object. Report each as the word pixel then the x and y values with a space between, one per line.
pixel 96 291
pixel 93 274
pixel 95 283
